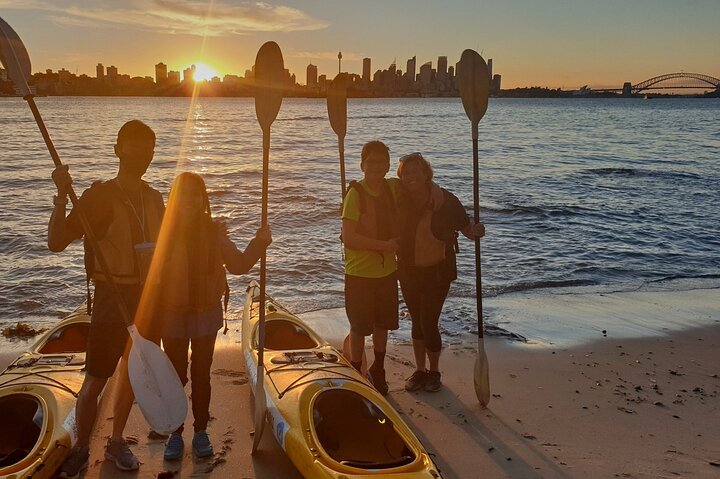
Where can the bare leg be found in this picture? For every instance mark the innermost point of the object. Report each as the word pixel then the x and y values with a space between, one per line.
pixel 357 345
pixel 434 357
pixel 86 408
pixel 380 340
pixel 124 398
pixel 419 352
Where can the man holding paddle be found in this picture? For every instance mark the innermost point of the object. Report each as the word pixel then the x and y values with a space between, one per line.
pixel 124 214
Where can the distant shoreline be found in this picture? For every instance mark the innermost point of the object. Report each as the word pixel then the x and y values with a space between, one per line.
pixel 523 93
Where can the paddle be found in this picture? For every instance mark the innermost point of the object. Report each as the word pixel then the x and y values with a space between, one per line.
pixel 474 88
pixel 158 390
pixel 337 113
pixel 269 75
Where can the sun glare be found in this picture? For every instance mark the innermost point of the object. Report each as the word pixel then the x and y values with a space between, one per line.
pixel 204 72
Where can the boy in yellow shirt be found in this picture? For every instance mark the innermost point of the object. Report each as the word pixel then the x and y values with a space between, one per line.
pixel 370 235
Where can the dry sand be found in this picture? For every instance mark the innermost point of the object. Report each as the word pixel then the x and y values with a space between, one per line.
pixel 622 407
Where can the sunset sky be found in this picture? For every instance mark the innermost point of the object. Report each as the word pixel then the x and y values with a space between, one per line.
pixel 553 43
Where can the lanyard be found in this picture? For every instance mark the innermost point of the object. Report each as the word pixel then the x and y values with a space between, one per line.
pixel 139 217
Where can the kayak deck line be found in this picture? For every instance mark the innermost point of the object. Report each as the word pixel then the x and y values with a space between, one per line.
pixel 305 373
pixel 53 382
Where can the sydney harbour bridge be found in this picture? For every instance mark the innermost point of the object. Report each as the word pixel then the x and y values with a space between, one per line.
pixel 669 81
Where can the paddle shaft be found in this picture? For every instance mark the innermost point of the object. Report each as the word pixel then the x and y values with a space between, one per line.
pixel 263 258
pixel 259 389
pixel 476 213
pixel 341 150
pixel 89 234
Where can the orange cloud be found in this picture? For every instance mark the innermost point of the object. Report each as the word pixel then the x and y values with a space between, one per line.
pixel 176 16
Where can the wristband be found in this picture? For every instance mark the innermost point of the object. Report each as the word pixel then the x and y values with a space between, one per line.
pixel 57 201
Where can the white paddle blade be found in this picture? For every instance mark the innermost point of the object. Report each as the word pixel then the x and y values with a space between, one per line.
pixel 14 57
pixel 474 83
pixel 482 375
pixel 269 83
pixel 157 387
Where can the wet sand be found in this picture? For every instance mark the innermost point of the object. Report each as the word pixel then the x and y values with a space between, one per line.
pixel 616 406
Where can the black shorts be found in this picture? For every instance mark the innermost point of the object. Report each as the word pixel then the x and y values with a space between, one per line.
pixel 109 339
pixel 371 303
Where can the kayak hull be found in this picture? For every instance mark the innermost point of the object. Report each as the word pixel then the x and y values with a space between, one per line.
pixel 40 389
pixel 323 413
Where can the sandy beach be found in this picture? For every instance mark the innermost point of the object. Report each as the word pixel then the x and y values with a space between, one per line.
pixel 613 406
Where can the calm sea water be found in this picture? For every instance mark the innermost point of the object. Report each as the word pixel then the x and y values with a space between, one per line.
pixel 604 192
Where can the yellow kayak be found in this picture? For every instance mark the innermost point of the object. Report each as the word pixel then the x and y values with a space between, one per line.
pixel 324 414
pixel 38 392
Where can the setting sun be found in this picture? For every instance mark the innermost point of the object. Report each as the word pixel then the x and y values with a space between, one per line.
pixel 204 72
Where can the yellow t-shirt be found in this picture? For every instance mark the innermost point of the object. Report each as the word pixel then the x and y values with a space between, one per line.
pixel 361 262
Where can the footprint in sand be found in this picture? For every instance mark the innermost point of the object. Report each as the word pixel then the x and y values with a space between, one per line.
pixel 232 373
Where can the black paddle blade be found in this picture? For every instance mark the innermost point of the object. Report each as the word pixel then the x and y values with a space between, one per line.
pixel 474 85
pixel 337 104
pixel 14 57
pixel 269 83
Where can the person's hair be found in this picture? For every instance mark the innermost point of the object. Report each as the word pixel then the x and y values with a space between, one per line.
pixel 135 130
pixel 418 159
pixel 178 187
pixel 374 147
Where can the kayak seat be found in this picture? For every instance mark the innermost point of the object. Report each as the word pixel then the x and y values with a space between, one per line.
pixel 70 339
pixel 283 335
pixel 355 432
pixel 19 431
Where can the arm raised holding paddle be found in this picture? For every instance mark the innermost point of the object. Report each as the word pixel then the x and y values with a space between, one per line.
pixel 155 384
pixel 122 213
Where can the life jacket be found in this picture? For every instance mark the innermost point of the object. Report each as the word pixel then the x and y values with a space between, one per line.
pixel 176 283
pixel 378 214
pixel 118 245
pixel 429 250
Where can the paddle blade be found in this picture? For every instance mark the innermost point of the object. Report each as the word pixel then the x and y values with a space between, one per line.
pixel 14 58
pixel 474 85
pixel 337 104
pixel 260 410
pixel 482 375
pixel 269 83
pixel 157 387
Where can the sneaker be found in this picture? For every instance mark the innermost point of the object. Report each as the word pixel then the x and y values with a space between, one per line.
pixel 120 453
pixel 377 379
pixel 174 447
pixel 75 463
pixel 432 383
pixel 201 444
pixel 417 381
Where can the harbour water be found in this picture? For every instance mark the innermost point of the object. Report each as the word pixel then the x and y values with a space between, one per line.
pixel 613 194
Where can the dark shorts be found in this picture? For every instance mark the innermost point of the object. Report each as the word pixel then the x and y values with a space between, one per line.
pixel 109 339
pixel 371 303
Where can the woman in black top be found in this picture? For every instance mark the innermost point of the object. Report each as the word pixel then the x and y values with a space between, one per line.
pixel 432 216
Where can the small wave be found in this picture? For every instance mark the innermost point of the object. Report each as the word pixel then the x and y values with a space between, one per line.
pixel 612 171
pixel 531 285
pixel 300 118
pixel 640 173
pixel 553 211
pixel 684 276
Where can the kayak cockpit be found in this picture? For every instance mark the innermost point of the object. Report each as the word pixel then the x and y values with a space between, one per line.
pixel 21 430
pixel 356 433
pixel 285 335
pixel 68 338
